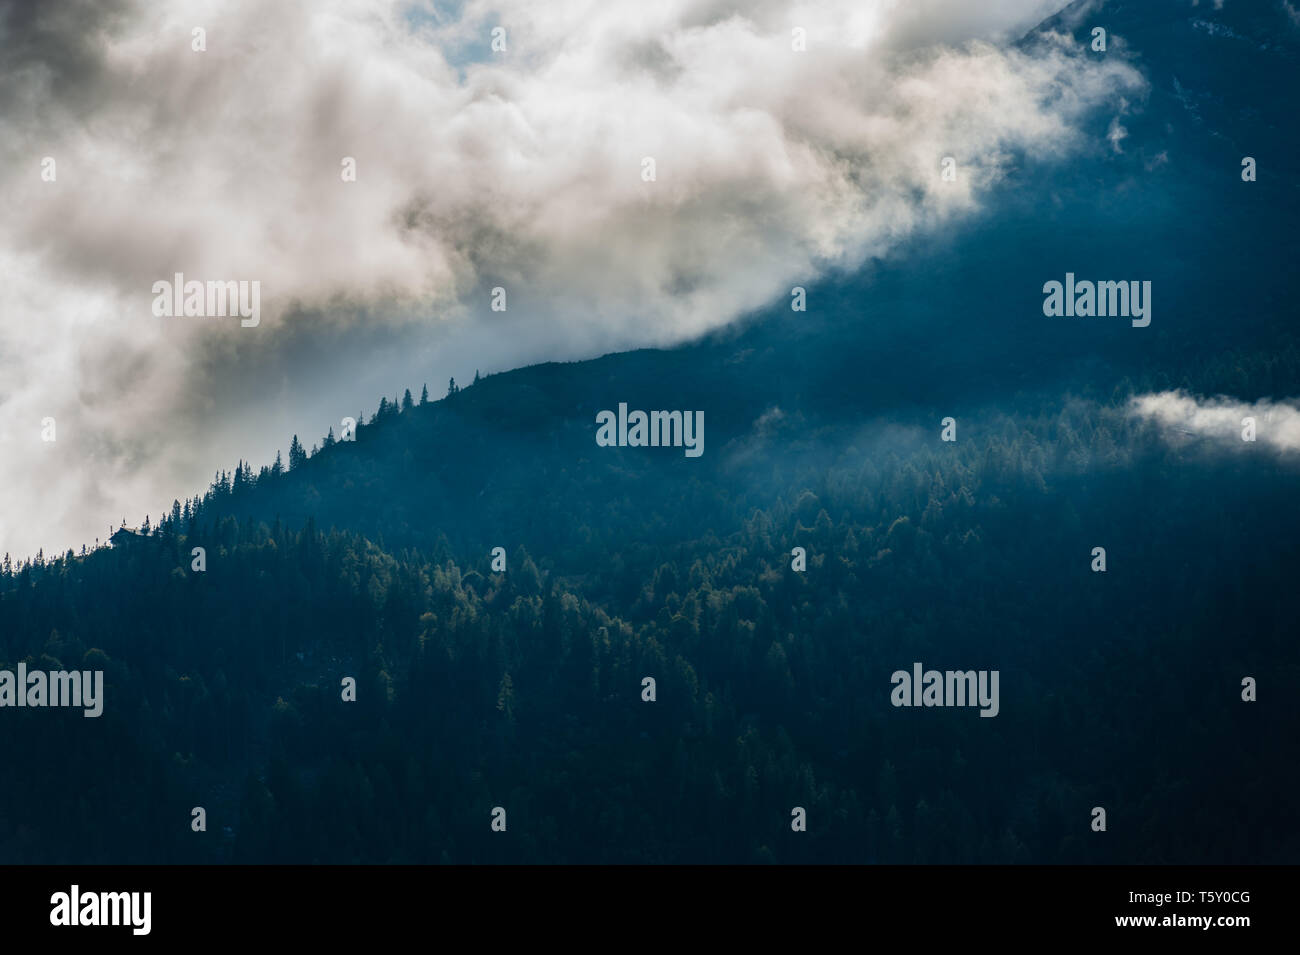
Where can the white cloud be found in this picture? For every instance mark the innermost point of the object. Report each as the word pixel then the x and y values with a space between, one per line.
pixel 1116 134
pixel 1277 423
pixel 475 169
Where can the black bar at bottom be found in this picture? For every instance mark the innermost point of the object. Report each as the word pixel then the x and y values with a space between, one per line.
pixel 333 904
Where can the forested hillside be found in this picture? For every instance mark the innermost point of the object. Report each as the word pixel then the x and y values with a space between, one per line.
pixel 523 689
pixel 479 687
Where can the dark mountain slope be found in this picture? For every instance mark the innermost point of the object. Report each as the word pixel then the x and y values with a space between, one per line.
pixel 952 325
pixel 523 689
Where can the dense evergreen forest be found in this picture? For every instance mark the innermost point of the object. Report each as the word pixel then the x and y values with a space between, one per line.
pixel 372 559
pixel 522 689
